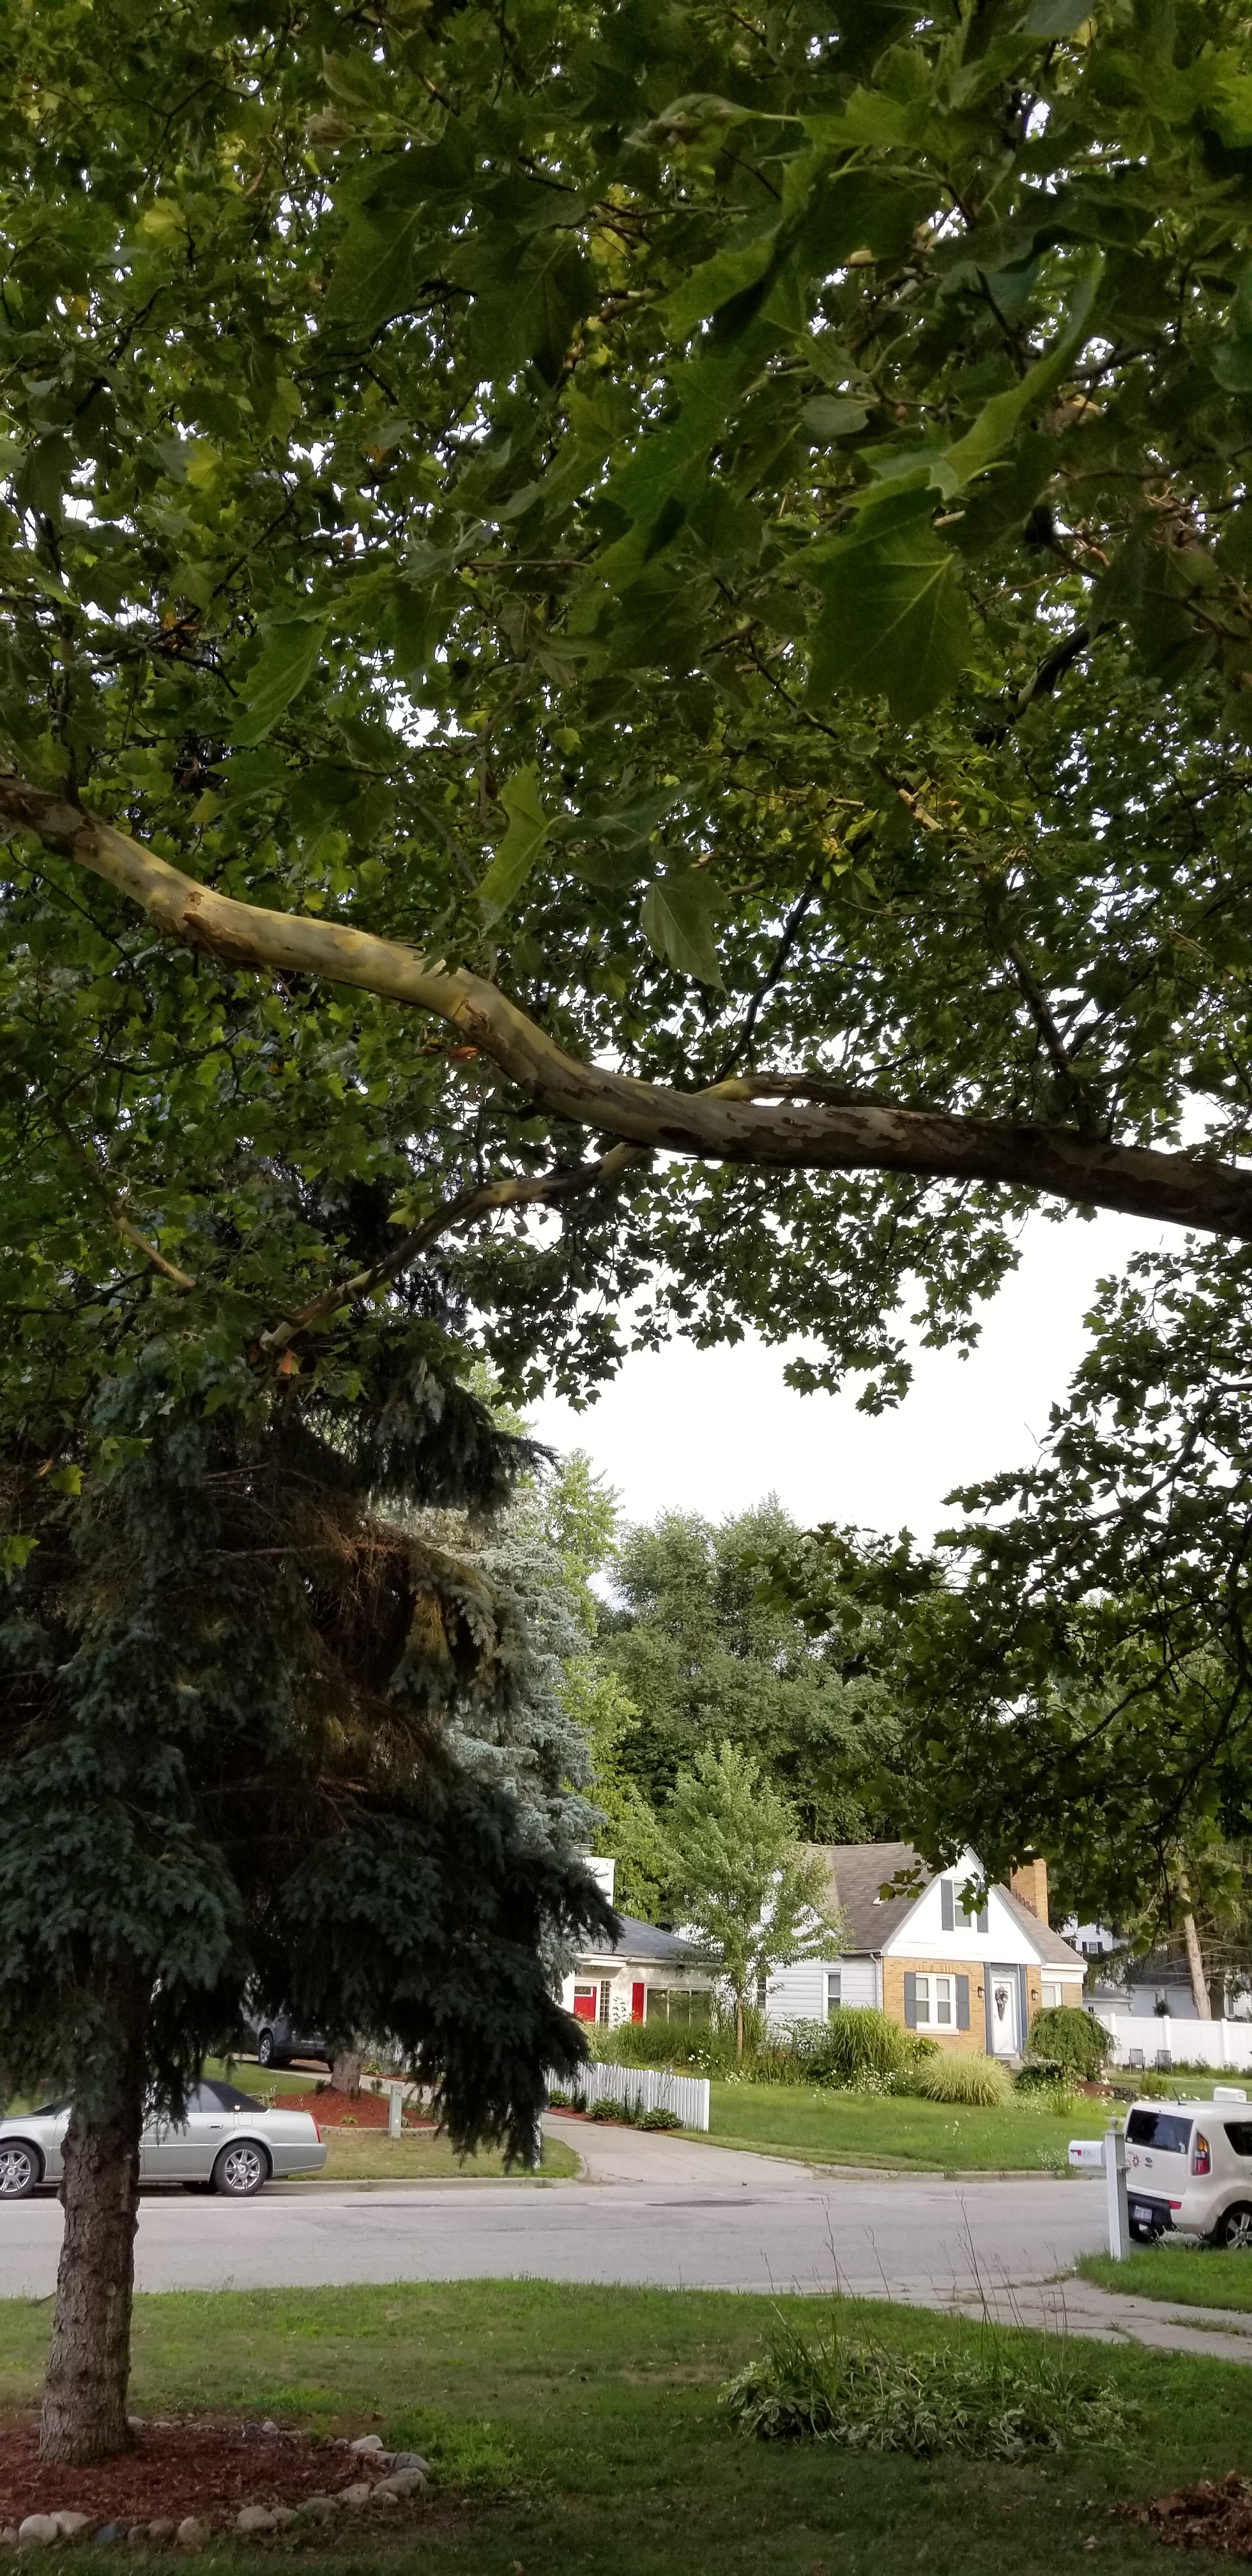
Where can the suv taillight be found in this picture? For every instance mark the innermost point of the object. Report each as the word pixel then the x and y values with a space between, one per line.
pixel 1201 2154
pixel 317 2133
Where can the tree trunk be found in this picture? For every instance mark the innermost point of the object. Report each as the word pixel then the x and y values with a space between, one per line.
pixel 84 2399
pixel 738 2021
pixel 1195 1962
pixel 346 2069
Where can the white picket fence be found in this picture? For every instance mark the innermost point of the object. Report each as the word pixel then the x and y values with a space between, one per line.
pixel 1202 2043
pixel 650 2088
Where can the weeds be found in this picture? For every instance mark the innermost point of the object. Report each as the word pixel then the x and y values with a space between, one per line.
pixel 996 2402
pixel 970 2079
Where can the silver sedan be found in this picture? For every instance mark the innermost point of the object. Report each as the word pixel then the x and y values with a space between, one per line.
pixel 225 2142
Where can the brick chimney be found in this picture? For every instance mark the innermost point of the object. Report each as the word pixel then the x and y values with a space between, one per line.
pixel 1030 1887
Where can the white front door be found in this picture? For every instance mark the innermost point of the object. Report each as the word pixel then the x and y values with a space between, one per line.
pixel 1004 2018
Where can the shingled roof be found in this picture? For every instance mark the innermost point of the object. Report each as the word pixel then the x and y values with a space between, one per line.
pixel 856 1871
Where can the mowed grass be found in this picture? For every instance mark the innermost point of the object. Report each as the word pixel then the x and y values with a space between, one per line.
pixel 369 2155
pixel 575 2429
pixel 895 2130
pixel 1192 2275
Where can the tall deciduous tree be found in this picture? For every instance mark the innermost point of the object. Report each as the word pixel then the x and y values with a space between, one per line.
pixel 739 1876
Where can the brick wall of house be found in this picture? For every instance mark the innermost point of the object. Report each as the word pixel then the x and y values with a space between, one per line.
pixel 975 2038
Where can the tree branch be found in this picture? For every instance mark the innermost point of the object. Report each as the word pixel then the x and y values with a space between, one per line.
pixel 549 1187
pixel 115 1205
pixel 873 1135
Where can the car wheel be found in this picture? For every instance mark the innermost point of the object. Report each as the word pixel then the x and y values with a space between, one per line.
pixel 21 2167
pixel 1234 2227
pixel 241 2170
pixel 265 2048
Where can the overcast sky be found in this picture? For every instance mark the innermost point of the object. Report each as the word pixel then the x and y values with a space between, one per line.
pixel 714 1431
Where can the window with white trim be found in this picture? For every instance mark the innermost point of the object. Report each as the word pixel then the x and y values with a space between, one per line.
pixel 833 1991
pixel 935 2004
pixel 1051 1993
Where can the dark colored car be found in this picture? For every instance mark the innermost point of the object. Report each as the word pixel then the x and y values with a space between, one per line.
pixel 278 2041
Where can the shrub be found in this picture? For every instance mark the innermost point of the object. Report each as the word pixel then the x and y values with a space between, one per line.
pixel 856 2043
pixel 660 2119
pixel 606 2110
pixel 1046 2088
pixel 1066 2037
pixel 995 2402
pixel 559 2099
pixel 971 2078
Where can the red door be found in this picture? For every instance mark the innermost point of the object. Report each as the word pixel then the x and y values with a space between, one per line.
pixel 636 2003
pixel 584 2003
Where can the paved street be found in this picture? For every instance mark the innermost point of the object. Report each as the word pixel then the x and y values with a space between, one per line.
pixel 647 2209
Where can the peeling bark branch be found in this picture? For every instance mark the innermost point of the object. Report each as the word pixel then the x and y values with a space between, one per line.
pixel 115 1208
pixel 1175 1189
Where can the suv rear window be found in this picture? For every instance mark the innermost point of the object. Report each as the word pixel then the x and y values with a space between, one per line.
pixel 1161 2129
pixel 1239 2133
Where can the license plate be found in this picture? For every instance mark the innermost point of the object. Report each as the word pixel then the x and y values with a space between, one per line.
pixel 1137 2210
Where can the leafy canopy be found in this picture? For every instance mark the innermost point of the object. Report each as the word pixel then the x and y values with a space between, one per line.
pixel 731 528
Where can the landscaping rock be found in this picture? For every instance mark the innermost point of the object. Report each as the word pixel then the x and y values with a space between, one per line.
pixel 8 2537
pixel 70 2524
pixel 284 2513
pixel 367 2442
pixel 358 2494
pixel 108 2532
pixel 410 2460
pixel 37 2530
pixel 162 2528
pixel 269 2425
pixel 317 2508
pixel 254 2517
pixel 191 2532
pixel 402 2482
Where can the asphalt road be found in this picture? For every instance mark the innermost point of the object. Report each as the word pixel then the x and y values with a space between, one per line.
pixel 646 2210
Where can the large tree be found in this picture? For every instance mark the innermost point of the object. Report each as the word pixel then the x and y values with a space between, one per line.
pixel 728 533
pixel 704 1659
pixel 239 1705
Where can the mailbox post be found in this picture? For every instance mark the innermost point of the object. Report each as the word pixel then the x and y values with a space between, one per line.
pixel 1115 2186
pixel 1108 2155
pixel 395 2106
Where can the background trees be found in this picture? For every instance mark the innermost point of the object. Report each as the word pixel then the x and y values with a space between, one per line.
pixel 738 1875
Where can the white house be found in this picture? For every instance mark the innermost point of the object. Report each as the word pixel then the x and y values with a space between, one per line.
pixel 645 1975
pixel 972 1981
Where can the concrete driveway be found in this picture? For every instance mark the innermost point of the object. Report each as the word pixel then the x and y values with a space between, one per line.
pixel 656 2210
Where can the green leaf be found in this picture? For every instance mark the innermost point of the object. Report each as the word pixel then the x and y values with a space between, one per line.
pixel 679 914
pixel 374 272
pixel 714 283
pixel 895 621
pixel 528 829
pixel 1056 17
pixel 289 657
pixel 999 419
pixel 828 417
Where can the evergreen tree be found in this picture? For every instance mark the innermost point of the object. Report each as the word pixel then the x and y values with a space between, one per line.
pixel 237 1709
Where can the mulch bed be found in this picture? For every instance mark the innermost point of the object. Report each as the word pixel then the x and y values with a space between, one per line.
pixel 198 2467
pixel 1215 2514
pixel 333 2110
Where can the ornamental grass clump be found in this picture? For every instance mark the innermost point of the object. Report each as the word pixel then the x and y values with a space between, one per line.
pixel 974 2080
pixel 997 2401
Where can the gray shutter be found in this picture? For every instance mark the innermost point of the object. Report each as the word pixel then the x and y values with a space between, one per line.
pixel 962 2003
pixel 982 1920
pixel 910 2000
pixel 947 1899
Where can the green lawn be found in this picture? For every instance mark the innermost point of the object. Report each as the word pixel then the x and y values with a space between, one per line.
pixel 369 2155
pixel 894 2130
pixel 576 2429
pixel 1193 2275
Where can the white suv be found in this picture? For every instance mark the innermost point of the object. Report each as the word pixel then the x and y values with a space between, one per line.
pixel 1189 2165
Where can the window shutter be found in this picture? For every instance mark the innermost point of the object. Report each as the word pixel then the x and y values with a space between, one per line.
pixel 947 1899
pixel 962 2003
pixel 910 2001
pixel 982 1920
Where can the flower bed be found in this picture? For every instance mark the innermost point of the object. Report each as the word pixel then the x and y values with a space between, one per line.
pixel 204 2469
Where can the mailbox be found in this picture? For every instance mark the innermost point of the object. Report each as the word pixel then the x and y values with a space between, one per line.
pixel 1087 2154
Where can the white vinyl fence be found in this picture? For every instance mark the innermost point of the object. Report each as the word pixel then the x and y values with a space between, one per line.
pixel 651 2088
pixel 1203 2043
